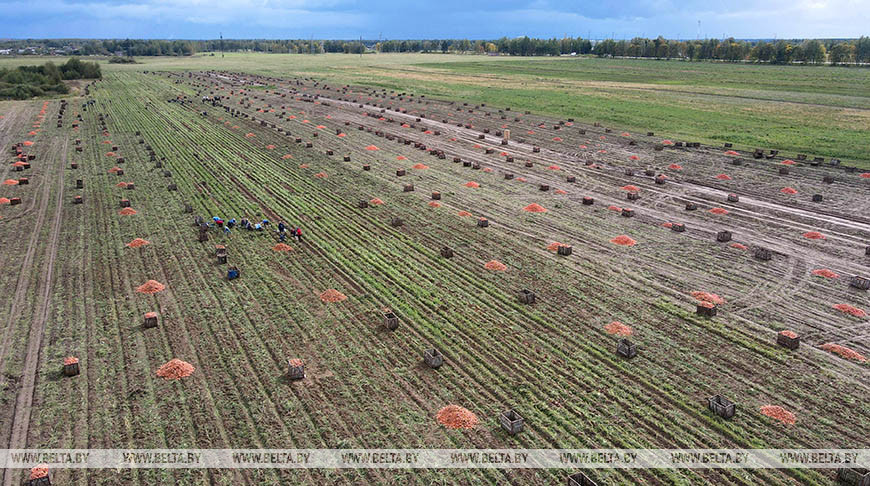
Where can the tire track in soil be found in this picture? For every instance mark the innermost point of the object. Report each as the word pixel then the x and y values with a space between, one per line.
pixel 22 410
pixel 24 274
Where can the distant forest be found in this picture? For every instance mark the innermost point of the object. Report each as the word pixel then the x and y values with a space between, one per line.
pixel 806 51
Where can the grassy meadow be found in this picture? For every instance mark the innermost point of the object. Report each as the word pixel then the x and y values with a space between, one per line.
pixel 821 111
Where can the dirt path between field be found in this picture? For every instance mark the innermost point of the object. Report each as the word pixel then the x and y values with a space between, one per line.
pixel 21 416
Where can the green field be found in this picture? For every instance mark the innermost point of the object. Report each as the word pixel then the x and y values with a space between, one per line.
pixel 820 111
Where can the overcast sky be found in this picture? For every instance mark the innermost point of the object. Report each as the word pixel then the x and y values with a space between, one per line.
pixel 475 19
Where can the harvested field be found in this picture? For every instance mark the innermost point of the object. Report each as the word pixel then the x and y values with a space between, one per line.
pixel 75 289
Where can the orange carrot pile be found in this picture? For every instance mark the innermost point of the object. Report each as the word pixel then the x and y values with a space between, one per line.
pixel 814 235
pixel 456 417
pixel 127 212
pixel 175 369
pixel 851 310
pixel 535 208
pixel 138 242
pixel 281 247
pixel 844 352
pixel 623 240
pixel 779 413
pixel 824 272
pixel 618 328
pixel 332 295
pixel 495 265
pixel 150 287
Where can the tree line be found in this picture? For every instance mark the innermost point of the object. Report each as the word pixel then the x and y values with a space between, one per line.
pixel 810 51
pixel 807 51
pixel 25 82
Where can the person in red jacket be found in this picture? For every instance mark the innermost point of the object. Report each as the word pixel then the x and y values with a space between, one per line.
pixel 299 234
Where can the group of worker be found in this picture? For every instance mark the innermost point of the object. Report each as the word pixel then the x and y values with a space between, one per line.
pixel 283 229
pixel 294 232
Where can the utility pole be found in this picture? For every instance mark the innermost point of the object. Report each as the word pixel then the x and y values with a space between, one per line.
pixel 222 45
pixel 361 48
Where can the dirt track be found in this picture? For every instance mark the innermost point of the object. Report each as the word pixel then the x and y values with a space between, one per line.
pixel 21 419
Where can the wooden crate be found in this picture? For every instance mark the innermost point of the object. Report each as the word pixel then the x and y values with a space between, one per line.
pixel 580 479
pixel 721 406
pixel 391 321
pixel 853 476
pixel 71 369
pixel 433 358
pixel 626 348
pixel 858 282
pixel 295 369
pixel 788 342
pixel 526 297
pixel 511 421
